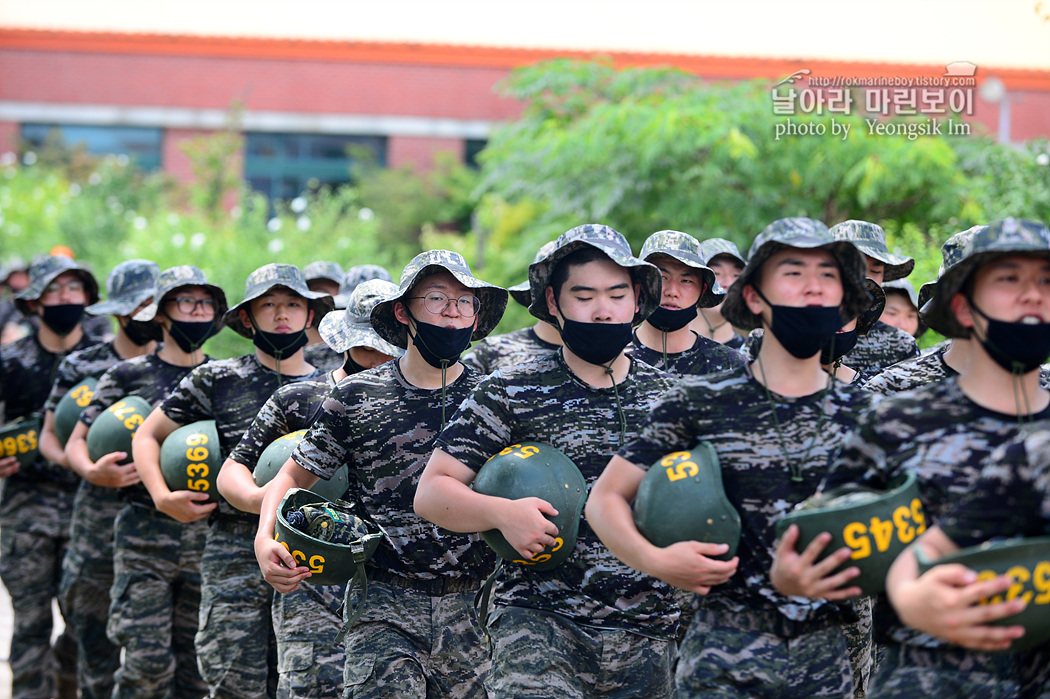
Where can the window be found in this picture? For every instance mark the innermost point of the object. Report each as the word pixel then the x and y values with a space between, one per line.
pixel 283 166
pixel 472 148
pixel 143 145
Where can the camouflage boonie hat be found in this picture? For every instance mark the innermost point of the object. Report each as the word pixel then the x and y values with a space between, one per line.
pixel 323 269
pixel 805 233
pixel 713 247
pixel 612 244
pixel 356 275
pixel 267 277
pixel 493 298
pixel 44 271
pixel 521 292
pixel 175 278
pixel 951 254
pixel 1010 236
pixel 686 249
pixel 352 327
pixel 870 239
pixel 10 266
pixel 127 286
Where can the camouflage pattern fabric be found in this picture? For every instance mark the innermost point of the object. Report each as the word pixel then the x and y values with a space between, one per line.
pixel 883 346
pixel 909 672
pixel 435 648
pixel 383 429
pixel 733 654
pixel 705 357
pixel 870 239
pixel 732 411
pixel 911 373
pixel 540 654
pixel 156 604
pixel 127 285
pixel 306 622
pixel 543 401
pixel 92 361
pixel 322 357
pixel 508 349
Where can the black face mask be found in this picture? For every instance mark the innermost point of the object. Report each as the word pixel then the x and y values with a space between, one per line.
pixel 843 343
pixel 803 330
pixel 350 366
pixel 440 346
pixel 666 320
pixel 1017 347
pixel 140 334
pixel 595 343
pixel 190 335
pixel 64 318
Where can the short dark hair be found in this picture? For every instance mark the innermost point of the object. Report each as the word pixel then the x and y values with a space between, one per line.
pixel 560 273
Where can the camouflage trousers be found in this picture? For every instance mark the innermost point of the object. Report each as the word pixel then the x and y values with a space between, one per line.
pixel 860 645
pixel 1036 673
pixel 87 575
pixel 539 654
pixel 236 648
pixel 34 535
pixel 155 603
pixel 730 654
pixel 410 643
pixel 310 654
pixel 933 673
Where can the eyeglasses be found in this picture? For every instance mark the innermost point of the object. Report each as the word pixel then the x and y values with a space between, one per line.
pixel 74 286
pixel 189 304
pixel 436 302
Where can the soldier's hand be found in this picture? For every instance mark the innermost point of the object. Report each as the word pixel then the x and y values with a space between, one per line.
pixel 525 527
pixel 107 473
pixel 186 506
pixel 944 602
pixel 278 566
pixel 798 574
pixel 688 565
pixel 8 466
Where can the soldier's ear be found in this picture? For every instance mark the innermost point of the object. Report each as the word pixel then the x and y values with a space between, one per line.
pixel 962 311
pixel 399 312
pixel 246 320
pixel 750 296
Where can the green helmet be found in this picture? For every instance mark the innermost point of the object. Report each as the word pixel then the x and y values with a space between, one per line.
pixel 325 536
pixel 533 469
pixel 681 499
pixel 68 410
pixel 877 525
pixel 114 428
pixel 21 439
pixel 273 457
pixel 190 459
pixel 1027 561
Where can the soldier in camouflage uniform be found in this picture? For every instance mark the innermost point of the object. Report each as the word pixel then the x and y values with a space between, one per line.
pixel 775 425
pixel 308 622
pixel 153 593
pixel 724 259
pixel 592 626
pixel 513 348
pixel 87 567
pixel 418 635
pixel 236 650
pixel 945 430
pixel 324 277
pixel 883 345
pixel 357 275
pixel 37 502
pixel 664 340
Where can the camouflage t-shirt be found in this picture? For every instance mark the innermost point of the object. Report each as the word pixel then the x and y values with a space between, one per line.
pixel 93 361
pixel 543 401
pixel 27 371
pixel 229 391
pixel 148 377
pixel 704 357
pixel 940 434
pixel 1011 496
pixel 911 373
pixel 882 346
pixel 732 411
pixel 322 357
pixel 509 349
pixel 383 429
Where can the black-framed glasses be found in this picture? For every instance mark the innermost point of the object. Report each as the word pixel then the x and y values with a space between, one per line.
pixel 189 304
pixel 436 302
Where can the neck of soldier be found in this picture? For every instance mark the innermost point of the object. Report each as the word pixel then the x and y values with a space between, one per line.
pixel 957 356
pixel 678 341
pixel 126 349
pixel 990 386
pixel 293 365
pixel 421 374
pixel 58 344
pixel 547 332
pixel 842 372
pixel 171 353
pixel 785 374
pixel 711 324
pixel 596 374
pixel 312 336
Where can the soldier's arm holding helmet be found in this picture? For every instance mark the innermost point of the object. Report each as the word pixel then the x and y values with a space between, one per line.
pixel 235 483
pixel 685 564
pixel 277 564
pixel 183 505
pixel 444 497
pixel 106 471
